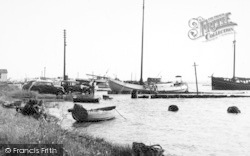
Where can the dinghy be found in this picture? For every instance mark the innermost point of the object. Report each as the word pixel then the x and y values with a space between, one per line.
pixel 94 114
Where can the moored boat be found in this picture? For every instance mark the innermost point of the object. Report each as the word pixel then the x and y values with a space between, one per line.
pixel 118 86
pixel 85 98
pixel 234 83
pixel 172 87
pixel 88 114
pixel 152 84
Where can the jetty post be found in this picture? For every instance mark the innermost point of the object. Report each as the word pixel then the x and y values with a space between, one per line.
pixel 64 58
pixel 134 94
pixel 197 91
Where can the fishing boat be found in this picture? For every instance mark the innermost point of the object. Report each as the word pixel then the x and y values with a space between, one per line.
pixel 118 86
pixel 92 113
pixel 234 83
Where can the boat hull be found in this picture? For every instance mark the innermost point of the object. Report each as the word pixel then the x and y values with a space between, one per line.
pixel 120 87
pixel 85 99
pixel 100 115
pixel 81 114
pixel 220 83
pixel 172 88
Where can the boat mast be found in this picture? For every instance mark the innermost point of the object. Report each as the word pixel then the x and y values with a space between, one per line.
pixel 64 58
pixel 196 82
pixel 234 42
pixel 141 79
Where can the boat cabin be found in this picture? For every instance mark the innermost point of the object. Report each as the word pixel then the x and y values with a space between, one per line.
pixel 3 74
pixel 153 80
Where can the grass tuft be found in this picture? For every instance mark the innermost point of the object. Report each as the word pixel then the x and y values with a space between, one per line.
pixel 19 129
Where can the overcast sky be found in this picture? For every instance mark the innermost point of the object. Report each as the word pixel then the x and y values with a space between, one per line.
pixel 104 36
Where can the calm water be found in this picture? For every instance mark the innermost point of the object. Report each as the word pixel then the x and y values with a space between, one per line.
pixel 200 127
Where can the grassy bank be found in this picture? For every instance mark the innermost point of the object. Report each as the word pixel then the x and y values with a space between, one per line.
pixel 18 129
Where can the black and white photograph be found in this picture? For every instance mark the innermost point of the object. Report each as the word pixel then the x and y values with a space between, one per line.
pixel 124 78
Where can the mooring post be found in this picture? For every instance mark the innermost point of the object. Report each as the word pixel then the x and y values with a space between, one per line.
pixel 197 91
pixel 134 94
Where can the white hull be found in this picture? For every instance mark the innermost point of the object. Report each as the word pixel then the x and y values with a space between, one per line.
pixel 100 115
pixel 119 86
pixel 90 113
pixel 171 87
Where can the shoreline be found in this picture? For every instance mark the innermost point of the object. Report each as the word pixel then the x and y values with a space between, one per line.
pixel 19 129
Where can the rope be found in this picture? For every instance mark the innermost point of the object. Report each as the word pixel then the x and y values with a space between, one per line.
pixel 120 114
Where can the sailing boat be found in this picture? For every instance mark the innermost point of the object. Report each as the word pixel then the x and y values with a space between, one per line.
pixel 234 83
pixel 152 84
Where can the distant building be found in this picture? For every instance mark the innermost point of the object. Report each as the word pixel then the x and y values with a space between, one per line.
pixel 3 74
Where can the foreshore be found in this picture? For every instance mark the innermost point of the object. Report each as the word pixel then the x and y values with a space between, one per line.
pixel 19 129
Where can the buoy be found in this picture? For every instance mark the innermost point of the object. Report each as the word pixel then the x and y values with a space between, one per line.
pixel 173 108
pixel 134 94
pixel 233 109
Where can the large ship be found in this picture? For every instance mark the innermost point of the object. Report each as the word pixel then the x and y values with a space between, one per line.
pixel 234 83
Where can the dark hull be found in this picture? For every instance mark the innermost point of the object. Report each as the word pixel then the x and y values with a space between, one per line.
pixel 86 100
pixel 220 83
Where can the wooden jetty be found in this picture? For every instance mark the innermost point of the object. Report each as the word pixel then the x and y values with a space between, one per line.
pixel 195 95
pixel 155 96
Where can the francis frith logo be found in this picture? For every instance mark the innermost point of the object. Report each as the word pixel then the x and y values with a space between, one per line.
pixel 211 28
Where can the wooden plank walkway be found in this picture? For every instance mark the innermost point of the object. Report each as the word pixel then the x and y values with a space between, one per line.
pixel 186 95
pixel 196 96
